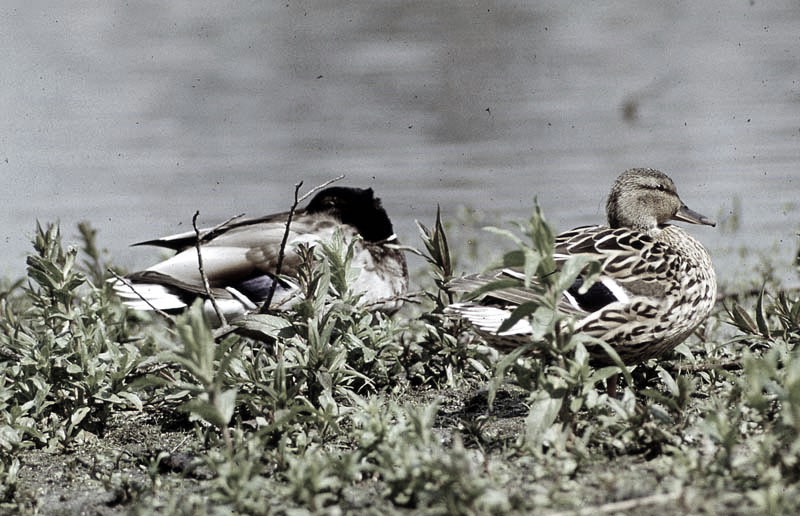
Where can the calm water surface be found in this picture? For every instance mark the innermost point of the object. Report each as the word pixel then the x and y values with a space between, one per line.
pixel 133 116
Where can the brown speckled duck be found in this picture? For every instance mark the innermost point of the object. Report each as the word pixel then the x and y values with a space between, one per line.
pixel 657 283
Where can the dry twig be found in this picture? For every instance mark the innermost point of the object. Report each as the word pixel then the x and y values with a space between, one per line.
pixel 206 285
pixel 624 505
pixel 411 297
pixel 128 284
pixel 733 365
pixel 282 251
pixel 211 233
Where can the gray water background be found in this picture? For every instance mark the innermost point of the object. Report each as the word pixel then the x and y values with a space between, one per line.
pixel 132 115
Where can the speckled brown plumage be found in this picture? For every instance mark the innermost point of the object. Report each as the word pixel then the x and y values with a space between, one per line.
pixel 656 287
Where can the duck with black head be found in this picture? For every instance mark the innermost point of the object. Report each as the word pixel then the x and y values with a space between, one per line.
pixel 240 258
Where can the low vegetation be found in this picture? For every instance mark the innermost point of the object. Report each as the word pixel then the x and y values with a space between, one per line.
pixel 329 408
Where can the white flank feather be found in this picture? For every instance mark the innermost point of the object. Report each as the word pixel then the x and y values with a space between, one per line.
pixel 490 318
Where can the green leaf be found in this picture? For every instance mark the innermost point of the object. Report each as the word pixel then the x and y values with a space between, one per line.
pixel 519 313
pixel 741 319
pixel 266 326
pixel 493 286
pixel 436 244
pixel 514 259
pixel 505 233
pixel 78 416
pixel 542 415
pixel 225 403
pixel 578 266
pixel 669 382
pixel 132 399
pixel 612 353
pixel 761 319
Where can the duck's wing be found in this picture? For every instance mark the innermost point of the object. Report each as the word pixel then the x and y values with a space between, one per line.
pixel 631 263
pixel 240 262
pixel 502 287
pixel 181 241
pixel 244 250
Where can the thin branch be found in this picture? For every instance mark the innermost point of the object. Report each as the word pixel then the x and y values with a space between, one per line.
pixel 733 365
pixel 211 233
pixel 318 188
pixel 624 505
pixel 128 284
pixel 282 251
pixel 411 297
pixel 179 445
pixel 206 285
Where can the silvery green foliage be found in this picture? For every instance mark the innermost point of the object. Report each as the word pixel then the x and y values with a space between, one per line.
pixel 67 363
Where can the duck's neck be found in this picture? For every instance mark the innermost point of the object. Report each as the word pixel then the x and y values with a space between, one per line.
pixel 648 227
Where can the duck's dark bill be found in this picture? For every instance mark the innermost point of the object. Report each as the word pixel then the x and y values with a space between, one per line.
pixel 686 215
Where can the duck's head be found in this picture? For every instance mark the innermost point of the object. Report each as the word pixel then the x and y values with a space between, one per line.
pixel 357 207
pixel 645 199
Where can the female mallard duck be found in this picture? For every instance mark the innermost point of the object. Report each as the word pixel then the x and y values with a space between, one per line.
pixel 240 258
pixel 656 285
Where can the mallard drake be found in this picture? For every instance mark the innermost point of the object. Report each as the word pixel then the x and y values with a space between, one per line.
pixel 656 286
pixel 240 258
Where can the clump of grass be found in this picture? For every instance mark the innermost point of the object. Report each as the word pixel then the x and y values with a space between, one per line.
pixel 437 355
pixel 753 437
pixel 417 468
pixel 66 364
pixel 310 395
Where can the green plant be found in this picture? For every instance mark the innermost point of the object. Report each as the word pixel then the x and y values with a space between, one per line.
pixel 437 351
pixel 322 351
pixel 67 364
pixel 400 446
